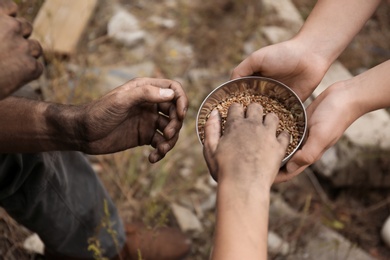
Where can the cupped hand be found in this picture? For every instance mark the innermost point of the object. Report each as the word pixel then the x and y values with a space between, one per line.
pixel 329 115
pixel 288 62
pixel 249 150
pixel 143 111
pixel 18 54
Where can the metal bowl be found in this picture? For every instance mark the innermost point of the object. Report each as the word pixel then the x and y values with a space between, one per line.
pixel 258 86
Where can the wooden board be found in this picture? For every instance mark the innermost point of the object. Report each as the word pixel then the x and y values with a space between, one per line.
pixel 60 24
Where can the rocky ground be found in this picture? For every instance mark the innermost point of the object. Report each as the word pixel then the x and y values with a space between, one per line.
pixel 198 44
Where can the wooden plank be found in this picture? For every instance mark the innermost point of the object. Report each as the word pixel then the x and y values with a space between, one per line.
pixel 60 24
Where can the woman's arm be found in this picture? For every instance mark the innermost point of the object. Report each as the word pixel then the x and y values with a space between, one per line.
pixel 332 24
pixel 335 109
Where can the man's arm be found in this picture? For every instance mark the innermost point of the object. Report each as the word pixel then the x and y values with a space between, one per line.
pixel 36 126
pixel 143 111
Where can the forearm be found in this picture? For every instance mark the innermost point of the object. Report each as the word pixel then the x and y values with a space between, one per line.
pixel 332 24
pixel 371 90
pixel 242 223
pixel 35 126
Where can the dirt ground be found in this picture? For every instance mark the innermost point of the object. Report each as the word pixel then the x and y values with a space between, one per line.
pixel 217 31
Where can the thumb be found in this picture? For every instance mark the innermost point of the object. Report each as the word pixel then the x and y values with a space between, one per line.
pixel 153 94
pixel 212 133
pixel 311 151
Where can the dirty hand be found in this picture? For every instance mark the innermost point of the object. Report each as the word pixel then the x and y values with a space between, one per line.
pixel 249 150
pixel 329 115
pixel 287 62
pixel 143 111
pixel 18 54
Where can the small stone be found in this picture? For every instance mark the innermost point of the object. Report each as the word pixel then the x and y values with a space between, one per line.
pixel 385 232
pixel 34 244
pixel 124 27
pixel 187 220
pixel 276 245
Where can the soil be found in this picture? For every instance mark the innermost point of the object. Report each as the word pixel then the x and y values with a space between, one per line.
pixel 141 190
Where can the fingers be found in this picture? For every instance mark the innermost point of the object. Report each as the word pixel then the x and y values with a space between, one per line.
pixel 255 111
pixel 249 66
pixel 155 90
pixel 143 93
pixel 271 121
pixel 310 153
pixel 165 137
pixel 284 176
pixel 162 145
pixel 169 126
pixel 212 136
pixel 284 139
pixel 212 131
pixel 235 111
pixel 181 99
pixel 179 96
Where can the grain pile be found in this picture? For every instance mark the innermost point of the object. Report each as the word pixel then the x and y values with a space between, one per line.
pixel 287 121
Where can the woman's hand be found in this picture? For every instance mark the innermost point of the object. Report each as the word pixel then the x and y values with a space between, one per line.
pixel 288 62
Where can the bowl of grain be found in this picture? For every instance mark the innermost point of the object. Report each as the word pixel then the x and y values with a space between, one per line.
pixel 273 95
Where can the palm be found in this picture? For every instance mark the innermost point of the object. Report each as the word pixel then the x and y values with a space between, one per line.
pixel 287 63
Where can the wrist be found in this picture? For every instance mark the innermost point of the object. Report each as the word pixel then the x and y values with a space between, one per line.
pixel 313 56
pixel 346 100
pixel 370 90
pixel 242 187
pixel 64 126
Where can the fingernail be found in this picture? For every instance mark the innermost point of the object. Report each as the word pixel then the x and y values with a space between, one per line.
pixel 292 167
pixel 214 113
pixel 166 92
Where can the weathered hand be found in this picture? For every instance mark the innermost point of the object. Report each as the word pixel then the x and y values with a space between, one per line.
pixel 286 62
pixel 143 111
pixel 330 114
pixel 18 54
pixel 249 150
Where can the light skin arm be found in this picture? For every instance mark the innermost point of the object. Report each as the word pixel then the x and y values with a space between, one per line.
pixel 143 111
pixel 302 61
pixel 245 161
pixel 332 112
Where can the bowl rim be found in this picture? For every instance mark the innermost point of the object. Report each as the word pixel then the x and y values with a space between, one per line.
pixel 285 159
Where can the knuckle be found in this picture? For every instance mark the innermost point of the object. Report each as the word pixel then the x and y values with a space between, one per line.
pixel 309 159
pixel 273 116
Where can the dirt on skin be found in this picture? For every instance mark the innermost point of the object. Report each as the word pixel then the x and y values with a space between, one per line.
pixel 356 213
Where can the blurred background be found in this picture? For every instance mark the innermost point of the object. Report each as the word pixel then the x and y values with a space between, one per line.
pixel 198 43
